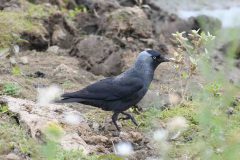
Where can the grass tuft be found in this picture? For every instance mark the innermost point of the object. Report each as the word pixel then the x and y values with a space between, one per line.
pixel 13 23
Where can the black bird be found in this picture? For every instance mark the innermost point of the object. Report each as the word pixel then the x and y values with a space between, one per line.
pixel 121 92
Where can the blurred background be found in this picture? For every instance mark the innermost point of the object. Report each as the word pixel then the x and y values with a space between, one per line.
pixel 191 110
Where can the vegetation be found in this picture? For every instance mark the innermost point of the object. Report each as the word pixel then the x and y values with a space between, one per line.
pixel 10 89
pixel 212 111
pixel 51 150
pixel 80 9
pixel 13 23
pixel 15 138
pixel 211 108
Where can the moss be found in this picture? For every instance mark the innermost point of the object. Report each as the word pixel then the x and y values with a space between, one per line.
pixel 80 9
pixel 121 16
pixel 13 23
pixel 101 115
pixel 189 137
pixel 13 137
pixel 68 84
pixel 39 11
pixel 147 118
pixel 10 89
pixel 74 155
pixel 220 136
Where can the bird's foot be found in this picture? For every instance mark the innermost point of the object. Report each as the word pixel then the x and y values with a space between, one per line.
pixel 124 118
pixel 137 109
pixel 129 116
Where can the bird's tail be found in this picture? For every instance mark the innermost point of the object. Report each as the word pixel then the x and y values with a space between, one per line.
pixel 69 100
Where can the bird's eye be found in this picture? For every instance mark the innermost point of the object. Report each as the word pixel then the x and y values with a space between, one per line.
pixel 154 57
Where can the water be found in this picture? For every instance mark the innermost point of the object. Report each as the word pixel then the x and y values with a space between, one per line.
pixel 230 17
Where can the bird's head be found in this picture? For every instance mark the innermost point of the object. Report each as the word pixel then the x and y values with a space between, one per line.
pixel 154 58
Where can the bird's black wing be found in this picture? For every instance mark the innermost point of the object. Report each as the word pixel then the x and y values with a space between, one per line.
pixel 108 89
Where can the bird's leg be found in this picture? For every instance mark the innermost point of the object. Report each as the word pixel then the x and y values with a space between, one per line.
pixel 129 116
pixel 114 120
pixel 137 109
pixel 124 118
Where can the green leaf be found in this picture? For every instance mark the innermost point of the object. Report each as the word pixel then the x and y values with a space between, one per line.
pixel 185 75
pixel 16 71
pixel 193 60
pixel 110 157
pixel 3 108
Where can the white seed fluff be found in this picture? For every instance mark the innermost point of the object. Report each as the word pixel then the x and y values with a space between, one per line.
pixel 124 148
pixel 160 135
pixel 48 95
pixel 72 118
pixel 177 123
pixel 174 98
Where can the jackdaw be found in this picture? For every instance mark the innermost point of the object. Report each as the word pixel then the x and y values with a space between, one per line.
pixel 121 92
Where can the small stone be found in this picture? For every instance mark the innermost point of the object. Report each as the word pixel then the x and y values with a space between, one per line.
pixel 53 49
pixel 58 34
pixel 102 149
pixel 115 139
pixel 24 60
pixel 230 111
pixel 136 136
pixel 115 134
pixel 96 139
pixel 130 39
pixel 12 156
pixel 62 68
pixel 83 128
pixel 124 135
pixel 13 61
pixel 95 126
pixel 39 74
pixel 14 50
pixel 149 41
pixel 73 141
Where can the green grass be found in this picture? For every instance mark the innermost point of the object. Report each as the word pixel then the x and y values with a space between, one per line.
pixel 13 137
pixel 10 89
pixel 74 155
pixel 52 151
pixel 80 9
pixel 68 84
pixel 155 115
pixel 194 141
pixel 38 11
pixel 13 23
pixel 3 109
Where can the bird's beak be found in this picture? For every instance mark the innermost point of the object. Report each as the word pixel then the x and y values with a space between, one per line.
pixel 170 60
